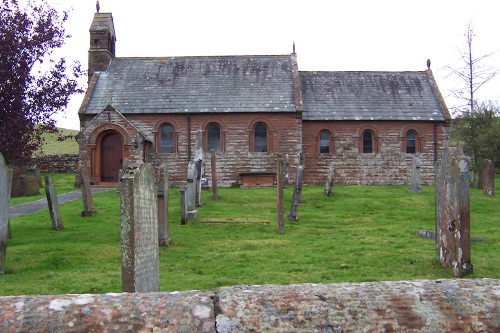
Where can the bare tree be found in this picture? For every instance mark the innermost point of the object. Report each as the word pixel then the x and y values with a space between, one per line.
pixel 473 74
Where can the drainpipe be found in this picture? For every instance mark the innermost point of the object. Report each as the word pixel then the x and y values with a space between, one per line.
pixel 189 136
pixel 435 141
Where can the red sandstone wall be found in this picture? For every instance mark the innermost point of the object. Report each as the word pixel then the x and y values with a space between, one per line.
pixel 389 165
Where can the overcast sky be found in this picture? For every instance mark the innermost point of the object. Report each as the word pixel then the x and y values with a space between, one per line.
pixel 329 35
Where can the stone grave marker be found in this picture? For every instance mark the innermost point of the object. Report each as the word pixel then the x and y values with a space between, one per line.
pixel 213 166
pixel 452 186
pixel 78 180
pixel 182 192
pixel 5 188
pixel 126 165
pixel 330 180
pixel 487 177
pixel 88 202
pixel 415 180
pixel 139 230
pixel 198 157
pixel 301 163
pixel 191 212
pixel 38 177
pixel 163 187
pixel 280 180
pixel 296 194
pixel 53 203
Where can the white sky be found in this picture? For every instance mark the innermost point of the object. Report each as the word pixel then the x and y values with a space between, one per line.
pixel 330 35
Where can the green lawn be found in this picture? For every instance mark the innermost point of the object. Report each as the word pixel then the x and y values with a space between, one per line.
pixel 361 233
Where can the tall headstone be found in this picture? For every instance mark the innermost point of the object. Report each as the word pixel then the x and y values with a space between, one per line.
pixel 121 172
pixel 330 180
pixel 38 177
pixel 301 163
pixel 213 166
pixel 139 230
pixel 296 194
pixel 163 187
pixel 88 202
pixel 182 193
pixel 78 179
pixel 191 211
pixel 280 180
pixel 5 187
pixel 198 157
pixel 452 187
pixel 487 177
pixel 416 181
pixel 53 203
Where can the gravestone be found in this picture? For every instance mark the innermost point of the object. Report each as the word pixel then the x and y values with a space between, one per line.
pixel 487 177
pixel 452 186
pixel 163 187
pixel 182 193
pixel 53 203
pixel 330 180
pixel 213 166
pixel 5 188
pixel 198 157
pixel 301 164
pixel 296 195
pixel 88 202
pixel 139 230
pixel 191 212
pixel 416 181
pixel 78 179
pixel 38 177
pixel 280 180
pixel 126 165
pixel 287 166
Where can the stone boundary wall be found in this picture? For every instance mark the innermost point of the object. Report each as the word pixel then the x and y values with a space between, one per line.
pixel 55 163
pixel 454 305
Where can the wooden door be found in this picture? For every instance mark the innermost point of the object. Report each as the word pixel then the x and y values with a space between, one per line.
pixel 111 157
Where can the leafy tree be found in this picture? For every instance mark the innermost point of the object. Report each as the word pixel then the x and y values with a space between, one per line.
pixel 479 132
pixel 33 85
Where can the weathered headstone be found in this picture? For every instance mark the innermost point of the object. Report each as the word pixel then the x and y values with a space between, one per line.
pixel 191 211
pixel 416 181
pixel 182 193
pixel 301 163
pixel 213 166
pixel 126 165
pixel 53 203
pixel 487 177
pixel 139 230
pixel 5 188
pixel 163 187
pixel 287 166
pixel 78 179
pixel 280 180
pixel 88 202
pixel 198 157
pixel 330 180
pixel 38 177
pixel 452 186
pixel 296 195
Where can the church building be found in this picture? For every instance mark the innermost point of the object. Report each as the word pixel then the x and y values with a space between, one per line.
pixel 252 108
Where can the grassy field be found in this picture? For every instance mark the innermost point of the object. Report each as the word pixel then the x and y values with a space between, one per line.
pixel 52 146
pixel 361 233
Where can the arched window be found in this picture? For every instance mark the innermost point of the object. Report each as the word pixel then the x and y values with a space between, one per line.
pixel 324 142
pixel 260 138
pixel 367 141
pixel 213 137
pixel 167 138
pixel 411 142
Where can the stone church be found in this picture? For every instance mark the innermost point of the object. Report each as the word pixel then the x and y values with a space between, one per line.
pixel 252 108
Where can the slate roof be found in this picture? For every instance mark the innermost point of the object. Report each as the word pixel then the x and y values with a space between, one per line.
pixel 369 96
pixel 195 84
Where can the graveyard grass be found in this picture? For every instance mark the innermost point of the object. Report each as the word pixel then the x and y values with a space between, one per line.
pixel 361 233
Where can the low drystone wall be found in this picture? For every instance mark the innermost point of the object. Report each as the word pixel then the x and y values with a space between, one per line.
pixel 56 163
pixel 471 305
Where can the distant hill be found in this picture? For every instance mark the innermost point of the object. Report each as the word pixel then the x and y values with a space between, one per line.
pixel 52 146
